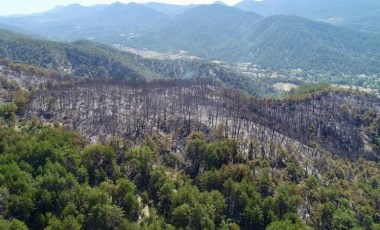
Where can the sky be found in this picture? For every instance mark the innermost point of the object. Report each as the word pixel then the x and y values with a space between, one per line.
pixel 12 7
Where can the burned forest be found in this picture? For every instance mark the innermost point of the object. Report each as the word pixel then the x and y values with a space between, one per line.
pixel 333 119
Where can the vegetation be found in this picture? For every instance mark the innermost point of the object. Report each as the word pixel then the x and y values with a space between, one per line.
pixel 216 32
pixel 80 59
pixel 54 179
pixel 276 42
pixel 361 16
pixel 368 82
pixel 96 138
pixel 22 55
pixel 75 22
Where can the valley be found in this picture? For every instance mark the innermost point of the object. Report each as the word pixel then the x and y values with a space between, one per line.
pixel 149 116
pixel 145 53
pixel 214 32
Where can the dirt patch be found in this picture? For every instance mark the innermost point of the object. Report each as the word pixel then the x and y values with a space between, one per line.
pixel 285 86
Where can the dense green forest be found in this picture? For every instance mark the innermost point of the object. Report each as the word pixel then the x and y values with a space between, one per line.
pixel 82 58
pixel 276 42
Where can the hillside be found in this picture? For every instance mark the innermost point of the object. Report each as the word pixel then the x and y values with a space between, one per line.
pixel 359 15
pixel 281 42
pixel 185 154
pixel 65 182
pixel 99 22
pixel 93 60
pixel 215 32
pixel 341 122
pixel 292 42
pixel 83 58
pixel 204 30
pixel 333 120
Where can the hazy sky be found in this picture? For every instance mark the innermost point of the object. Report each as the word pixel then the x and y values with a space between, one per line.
pixel 9 7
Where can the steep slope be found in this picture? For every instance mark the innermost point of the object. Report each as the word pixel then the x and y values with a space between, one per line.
pixel 359 15
pixel 293 42
pixel 205 30
pixel 207 181
pixel 221 32
pixel 80 59
pixel 88 59
pixel 183 154
pixel 343 123
pixel 99 22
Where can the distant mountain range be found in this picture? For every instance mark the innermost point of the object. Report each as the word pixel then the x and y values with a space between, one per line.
pixel 217 32
pixel 168 9
pixel 100 22
pixel 205 30
pixel 362 15
pixel 221 32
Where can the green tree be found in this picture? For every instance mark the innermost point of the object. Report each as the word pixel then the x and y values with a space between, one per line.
pixel 139 162
pixel 181 216
pixel 123 194
pixel 13 224
pixel 287 225
pixel 343 219
pixel 100 163
pixel 286 199
pixel 196 153
pixel 161 188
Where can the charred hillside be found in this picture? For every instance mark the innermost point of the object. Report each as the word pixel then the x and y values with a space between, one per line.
pixel 341 122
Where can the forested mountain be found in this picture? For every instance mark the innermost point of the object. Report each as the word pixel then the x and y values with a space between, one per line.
pixel 221 32
pixel 214 32
pixel 169 9
pixel 360 15
pixel 205 30
pixel 81 58
pixel 88 59
pixel 292 42
pixel 100 22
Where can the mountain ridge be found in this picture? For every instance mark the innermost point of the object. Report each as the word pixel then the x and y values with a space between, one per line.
pixel 93 60
pixel 273 42
pixel 75 22
pixel 218 32
pixel 358 15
